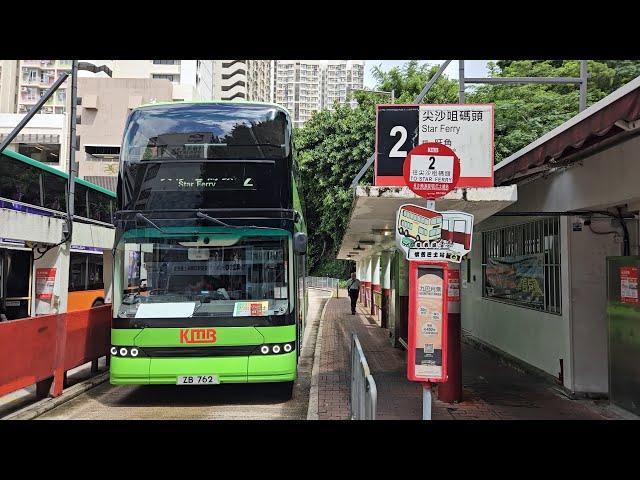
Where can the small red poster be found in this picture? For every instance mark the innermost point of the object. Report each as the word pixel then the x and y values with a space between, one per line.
pixel 256 309
pixel 454 285
pixel 629 285
pixel 45 280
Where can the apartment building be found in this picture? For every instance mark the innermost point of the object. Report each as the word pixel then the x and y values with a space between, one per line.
pixel 103 107
pixel 191 79
pixel 341 78
pixel 23 82
pixel 248 79
pixel 307 86
pixel 8 85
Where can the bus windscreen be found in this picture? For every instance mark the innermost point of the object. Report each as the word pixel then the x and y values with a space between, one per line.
pixel 205 131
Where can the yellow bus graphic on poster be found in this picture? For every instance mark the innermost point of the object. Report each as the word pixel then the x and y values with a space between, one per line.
pixel 420 224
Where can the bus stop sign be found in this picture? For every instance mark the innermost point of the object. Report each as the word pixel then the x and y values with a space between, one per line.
pixel 427 235
pixel 431 170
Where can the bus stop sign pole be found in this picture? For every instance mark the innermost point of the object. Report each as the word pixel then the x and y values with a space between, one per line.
pixel 426 401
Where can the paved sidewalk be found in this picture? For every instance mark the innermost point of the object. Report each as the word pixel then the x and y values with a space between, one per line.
pixel 492 391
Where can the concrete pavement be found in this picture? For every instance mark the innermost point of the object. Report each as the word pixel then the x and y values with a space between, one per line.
pixel 492 390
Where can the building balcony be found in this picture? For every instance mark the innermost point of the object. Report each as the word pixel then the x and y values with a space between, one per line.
pixel 31 81
pixel 38 63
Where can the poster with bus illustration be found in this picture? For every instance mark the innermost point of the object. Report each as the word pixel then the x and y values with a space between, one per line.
pixel 425 234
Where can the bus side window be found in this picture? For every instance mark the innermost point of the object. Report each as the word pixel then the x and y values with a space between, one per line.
pixel 95 280
pixel 77 272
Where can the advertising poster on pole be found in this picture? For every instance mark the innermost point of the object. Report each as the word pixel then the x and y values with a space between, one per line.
pixel 45 281
pixel 427 323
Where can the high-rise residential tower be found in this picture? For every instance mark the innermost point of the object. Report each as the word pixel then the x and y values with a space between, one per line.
pixel 307 86
pixel 23 82
pixel 247 79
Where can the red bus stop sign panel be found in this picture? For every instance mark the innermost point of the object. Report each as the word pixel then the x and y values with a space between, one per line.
pixel 431 170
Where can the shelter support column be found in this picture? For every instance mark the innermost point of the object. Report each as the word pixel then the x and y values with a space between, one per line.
pixel 360 276
pixel 451 390
pixel 385 281
pixel 366 298
pixel 376 289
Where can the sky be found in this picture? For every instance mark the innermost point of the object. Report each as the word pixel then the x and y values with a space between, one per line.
pixel 472 68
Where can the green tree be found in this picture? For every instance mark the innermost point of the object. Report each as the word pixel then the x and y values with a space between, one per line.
pixel 331 149
pixel 526 112
pixel 409 80
pixel 333 146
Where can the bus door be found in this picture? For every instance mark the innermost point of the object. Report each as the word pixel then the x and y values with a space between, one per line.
pixel 15 283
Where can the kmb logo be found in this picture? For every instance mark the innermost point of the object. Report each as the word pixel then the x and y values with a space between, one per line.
pixel 197 335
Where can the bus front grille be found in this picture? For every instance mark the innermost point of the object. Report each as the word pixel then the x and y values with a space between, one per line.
pixel 221 351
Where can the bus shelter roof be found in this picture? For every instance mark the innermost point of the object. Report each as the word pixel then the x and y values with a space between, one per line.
pixel 373 213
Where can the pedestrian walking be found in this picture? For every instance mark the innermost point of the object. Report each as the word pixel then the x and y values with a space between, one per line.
pixel 353 287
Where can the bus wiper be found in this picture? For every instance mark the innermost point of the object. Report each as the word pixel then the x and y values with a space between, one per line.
pixel 200 214
pixel 139 216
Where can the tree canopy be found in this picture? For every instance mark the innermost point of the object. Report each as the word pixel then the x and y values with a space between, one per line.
pixel 334 144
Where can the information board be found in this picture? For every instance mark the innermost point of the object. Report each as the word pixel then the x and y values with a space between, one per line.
pixel 427 323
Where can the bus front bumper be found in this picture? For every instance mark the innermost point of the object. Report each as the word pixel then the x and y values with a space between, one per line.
pixel 232 369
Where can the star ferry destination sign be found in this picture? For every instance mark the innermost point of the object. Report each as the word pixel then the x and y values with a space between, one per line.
pixel 466 128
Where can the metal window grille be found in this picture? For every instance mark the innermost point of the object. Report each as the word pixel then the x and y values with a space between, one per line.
pixel 540 236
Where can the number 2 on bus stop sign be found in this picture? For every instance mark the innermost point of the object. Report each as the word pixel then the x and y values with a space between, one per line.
pixel 431 170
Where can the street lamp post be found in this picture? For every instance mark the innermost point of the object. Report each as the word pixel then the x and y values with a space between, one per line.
pixel 392 92
pixel 73 139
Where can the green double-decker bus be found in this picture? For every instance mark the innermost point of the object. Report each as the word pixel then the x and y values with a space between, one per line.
pixel 210 247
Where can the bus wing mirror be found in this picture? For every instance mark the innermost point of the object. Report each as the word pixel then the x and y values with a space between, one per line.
pixel 300 243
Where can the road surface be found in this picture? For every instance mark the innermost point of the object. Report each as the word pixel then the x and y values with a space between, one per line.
pixel 211 402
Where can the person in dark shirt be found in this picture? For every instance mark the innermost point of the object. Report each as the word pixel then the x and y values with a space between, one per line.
pixel 353 288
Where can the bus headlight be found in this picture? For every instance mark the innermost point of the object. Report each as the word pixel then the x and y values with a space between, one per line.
pixel 134 352
pixel 123 352
pixel 114 350
pixel 277 348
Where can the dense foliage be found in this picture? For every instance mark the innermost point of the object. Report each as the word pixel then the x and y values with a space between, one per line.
pixel 334 145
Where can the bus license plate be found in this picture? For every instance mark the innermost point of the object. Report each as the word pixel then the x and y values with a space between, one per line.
pixel 198 380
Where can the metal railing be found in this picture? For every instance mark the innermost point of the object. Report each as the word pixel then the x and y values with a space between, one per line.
pixel 322 282
pixel 364 394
